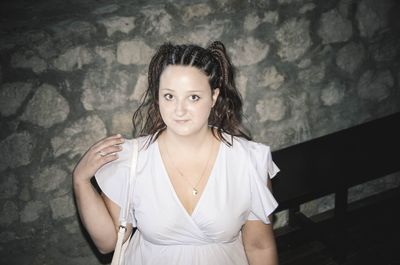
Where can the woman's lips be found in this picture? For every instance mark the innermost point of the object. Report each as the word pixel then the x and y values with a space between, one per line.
pixel 181 121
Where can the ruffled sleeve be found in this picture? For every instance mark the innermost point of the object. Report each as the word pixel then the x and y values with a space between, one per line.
pixel 112 179
pixel 262 167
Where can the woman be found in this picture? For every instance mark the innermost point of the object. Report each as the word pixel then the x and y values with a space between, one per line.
pixel 200 195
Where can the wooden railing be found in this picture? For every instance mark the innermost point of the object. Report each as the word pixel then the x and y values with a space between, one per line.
pixel 331 165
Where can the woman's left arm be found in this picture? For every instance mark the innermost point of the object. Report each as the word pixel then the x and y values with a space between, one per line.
pixel 259 243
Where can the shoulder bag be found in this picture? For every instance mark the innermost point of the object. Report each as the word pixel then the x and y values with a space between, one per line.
pixel 121 246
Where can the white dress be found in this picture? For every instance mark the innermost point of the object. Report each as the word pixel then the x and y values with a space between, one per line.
pixel 166 234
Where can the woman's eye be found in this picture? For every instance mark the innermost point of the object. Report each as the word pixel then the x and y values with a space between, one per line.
pixel 168 96
pixel 194 98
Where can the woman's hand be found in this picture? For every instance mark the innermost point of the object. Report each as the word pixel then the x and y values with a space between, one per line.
pixel 93 212
pixel 102 152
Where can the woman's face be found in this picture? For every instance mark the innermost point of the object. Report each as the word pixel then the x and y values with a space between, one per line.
pixel 185 99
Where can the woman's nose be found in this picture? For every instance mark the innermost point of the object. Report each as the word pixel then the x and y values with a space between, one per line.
pixel 180 108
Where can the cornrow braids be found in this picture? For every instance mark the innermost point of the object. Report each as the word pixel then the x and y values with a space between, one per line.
pixel 227 112
pixel 214 62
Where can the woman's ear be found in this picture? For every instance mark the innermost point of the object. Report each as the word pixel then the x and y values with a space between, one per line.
pixel 215 96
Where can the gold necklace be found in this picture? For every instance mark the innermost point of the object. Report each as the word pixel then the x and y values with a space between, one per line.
pixel 195 190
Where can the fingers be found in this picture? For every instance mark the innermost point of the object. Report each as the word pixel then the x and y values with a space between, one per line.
pixel 108 145
pixel 111 140
pixel 102 152
pixel 109 150
pixel 107 158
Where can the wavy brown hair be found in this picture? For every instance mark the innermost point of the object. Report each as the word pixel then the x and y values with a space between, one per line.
pixel 225 116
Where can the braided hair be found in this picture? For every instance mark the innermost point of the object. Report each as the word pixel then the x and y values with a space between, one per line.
pixel 214 62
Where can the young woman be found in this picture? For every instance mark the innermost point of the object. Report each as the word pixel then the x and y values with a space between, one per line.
pixel 201 195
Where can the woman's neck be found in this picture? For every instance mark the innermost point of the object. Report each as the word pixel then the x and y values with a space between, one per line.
pixel 190 143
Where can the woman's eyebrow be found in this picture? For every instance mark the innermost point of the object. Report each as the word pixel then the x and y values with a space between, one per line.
pixel 195 91
pixel 188 91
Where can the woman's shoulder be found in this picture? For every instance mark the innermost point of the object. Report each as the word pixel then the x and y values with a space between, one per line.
pixel 258 154
pixel 142 141
pixel 125 155
pixel 249 146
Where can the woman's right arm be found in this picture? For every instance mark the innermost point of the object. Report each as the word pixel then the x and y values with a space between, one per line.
pixel 98 214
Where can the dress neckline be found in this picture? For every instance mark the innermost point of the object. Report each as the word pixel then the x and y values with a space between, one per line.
pixel 206 187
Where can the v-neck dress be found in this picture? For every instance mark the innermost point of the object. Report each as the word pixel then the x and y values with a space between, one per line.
pixel 235 192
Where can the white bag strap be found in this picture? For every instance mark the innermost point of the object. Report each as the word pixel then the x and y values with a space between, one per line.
pixel 120 246
pixel 117 258
pixel 131 182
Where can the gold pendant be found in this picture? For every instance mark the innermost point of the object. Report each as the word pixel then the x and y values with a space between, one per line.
pixel 194 191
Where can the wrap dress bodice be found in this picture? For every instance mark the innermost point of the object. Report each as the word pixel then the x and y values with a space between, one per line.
pixel 166 233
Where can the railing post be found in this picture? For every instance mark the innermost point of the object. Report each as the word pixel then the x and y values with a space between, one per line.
pixel 292 216
pixel 340 235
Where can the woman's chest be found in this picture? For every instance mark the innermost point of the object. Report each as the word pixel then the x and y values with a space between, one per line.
pixel 218 216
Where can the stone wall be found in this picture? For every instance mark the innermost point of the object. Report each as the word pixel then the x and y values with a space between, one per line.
pixel 72 72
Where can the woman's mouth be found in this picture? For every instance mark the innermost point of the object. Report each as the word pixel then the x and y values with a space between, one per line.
pixel 181 121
